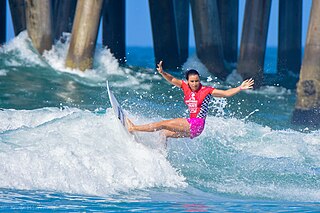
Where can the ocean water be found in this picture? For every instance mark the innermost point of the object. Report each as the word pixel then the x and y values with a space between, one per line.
pixel 61 148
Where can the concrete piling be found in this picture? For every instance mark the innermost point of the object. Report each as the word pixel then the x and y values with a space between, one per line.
pixel 84 34
pixel 165 33
pixel 18 15
pixel 208 36
pixel 181 10
pixel 38 22
pixel 289 41
pixel 3 26
pixel 64 11
pixel 113 28
pixel 229 16
pixel 254 40
pixel 307 109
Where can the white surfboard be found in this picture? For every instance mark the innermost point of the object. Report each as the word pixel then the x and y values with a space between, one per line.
pixel 118 111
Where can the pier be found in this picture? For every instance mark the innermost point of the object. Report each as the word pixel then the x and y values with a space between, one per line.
pixel 3 25
pixel 215 26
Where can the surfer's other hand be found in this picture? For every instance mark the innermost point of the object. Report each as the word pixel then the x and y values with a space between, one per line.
pixel 159 68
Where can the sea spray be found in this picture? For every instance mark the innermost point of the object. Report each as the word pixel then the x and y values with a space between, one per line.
pixel 67 141
pixel 79 152
pixel 245 159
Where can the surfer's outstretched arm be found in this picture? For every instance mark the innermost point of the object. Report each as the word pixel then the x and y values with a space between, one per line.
pixel 168 77
pixel 247 84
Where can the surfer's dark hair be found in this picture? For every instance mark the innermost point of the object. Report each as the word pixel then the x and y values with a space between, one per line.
pixel 191 72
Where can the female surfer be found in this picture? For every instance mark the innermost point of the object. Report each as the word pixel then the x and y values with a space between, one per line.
pixel 197 98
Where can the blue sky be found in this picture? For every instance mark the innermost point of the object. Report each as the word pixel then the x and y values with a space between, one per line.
pixel 138 25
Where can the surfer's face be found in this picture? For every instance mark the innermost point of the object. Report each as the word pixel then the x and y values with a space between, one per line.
pixel 194 82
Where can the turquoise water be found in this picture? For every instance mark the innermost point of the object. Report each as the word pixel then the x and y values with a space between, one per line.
pixel 61 148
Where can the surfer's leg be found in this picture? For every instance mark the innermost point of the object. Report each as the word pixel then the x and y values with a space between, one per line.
pixel 180 125
pixel 165 134
pixel 171 134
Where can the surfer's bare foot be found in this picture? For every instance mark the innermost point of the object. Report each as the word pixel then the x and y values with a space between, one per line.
pixel 130 125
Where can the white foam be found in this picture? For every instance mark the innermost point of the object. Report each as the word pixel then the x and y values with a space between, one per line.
pixel 12 119
pixel 234 78
pixel 257 140
pixel 105 65
pixel 243 158
pixel 3 72
pixel 272 91
pixel 56 57
pixel 78 152
pixel 194 62
pixel 24 54
pixel 275 191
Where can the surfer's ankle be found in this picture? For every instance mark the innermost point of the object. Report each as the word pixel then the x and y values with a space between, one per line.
pixel 130 125
pixel 130 129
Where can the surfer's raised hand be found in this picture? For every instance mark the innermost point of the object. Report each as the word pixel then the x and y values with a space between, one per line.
pixel 172 80
pixel 159 68
pixel 247 84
